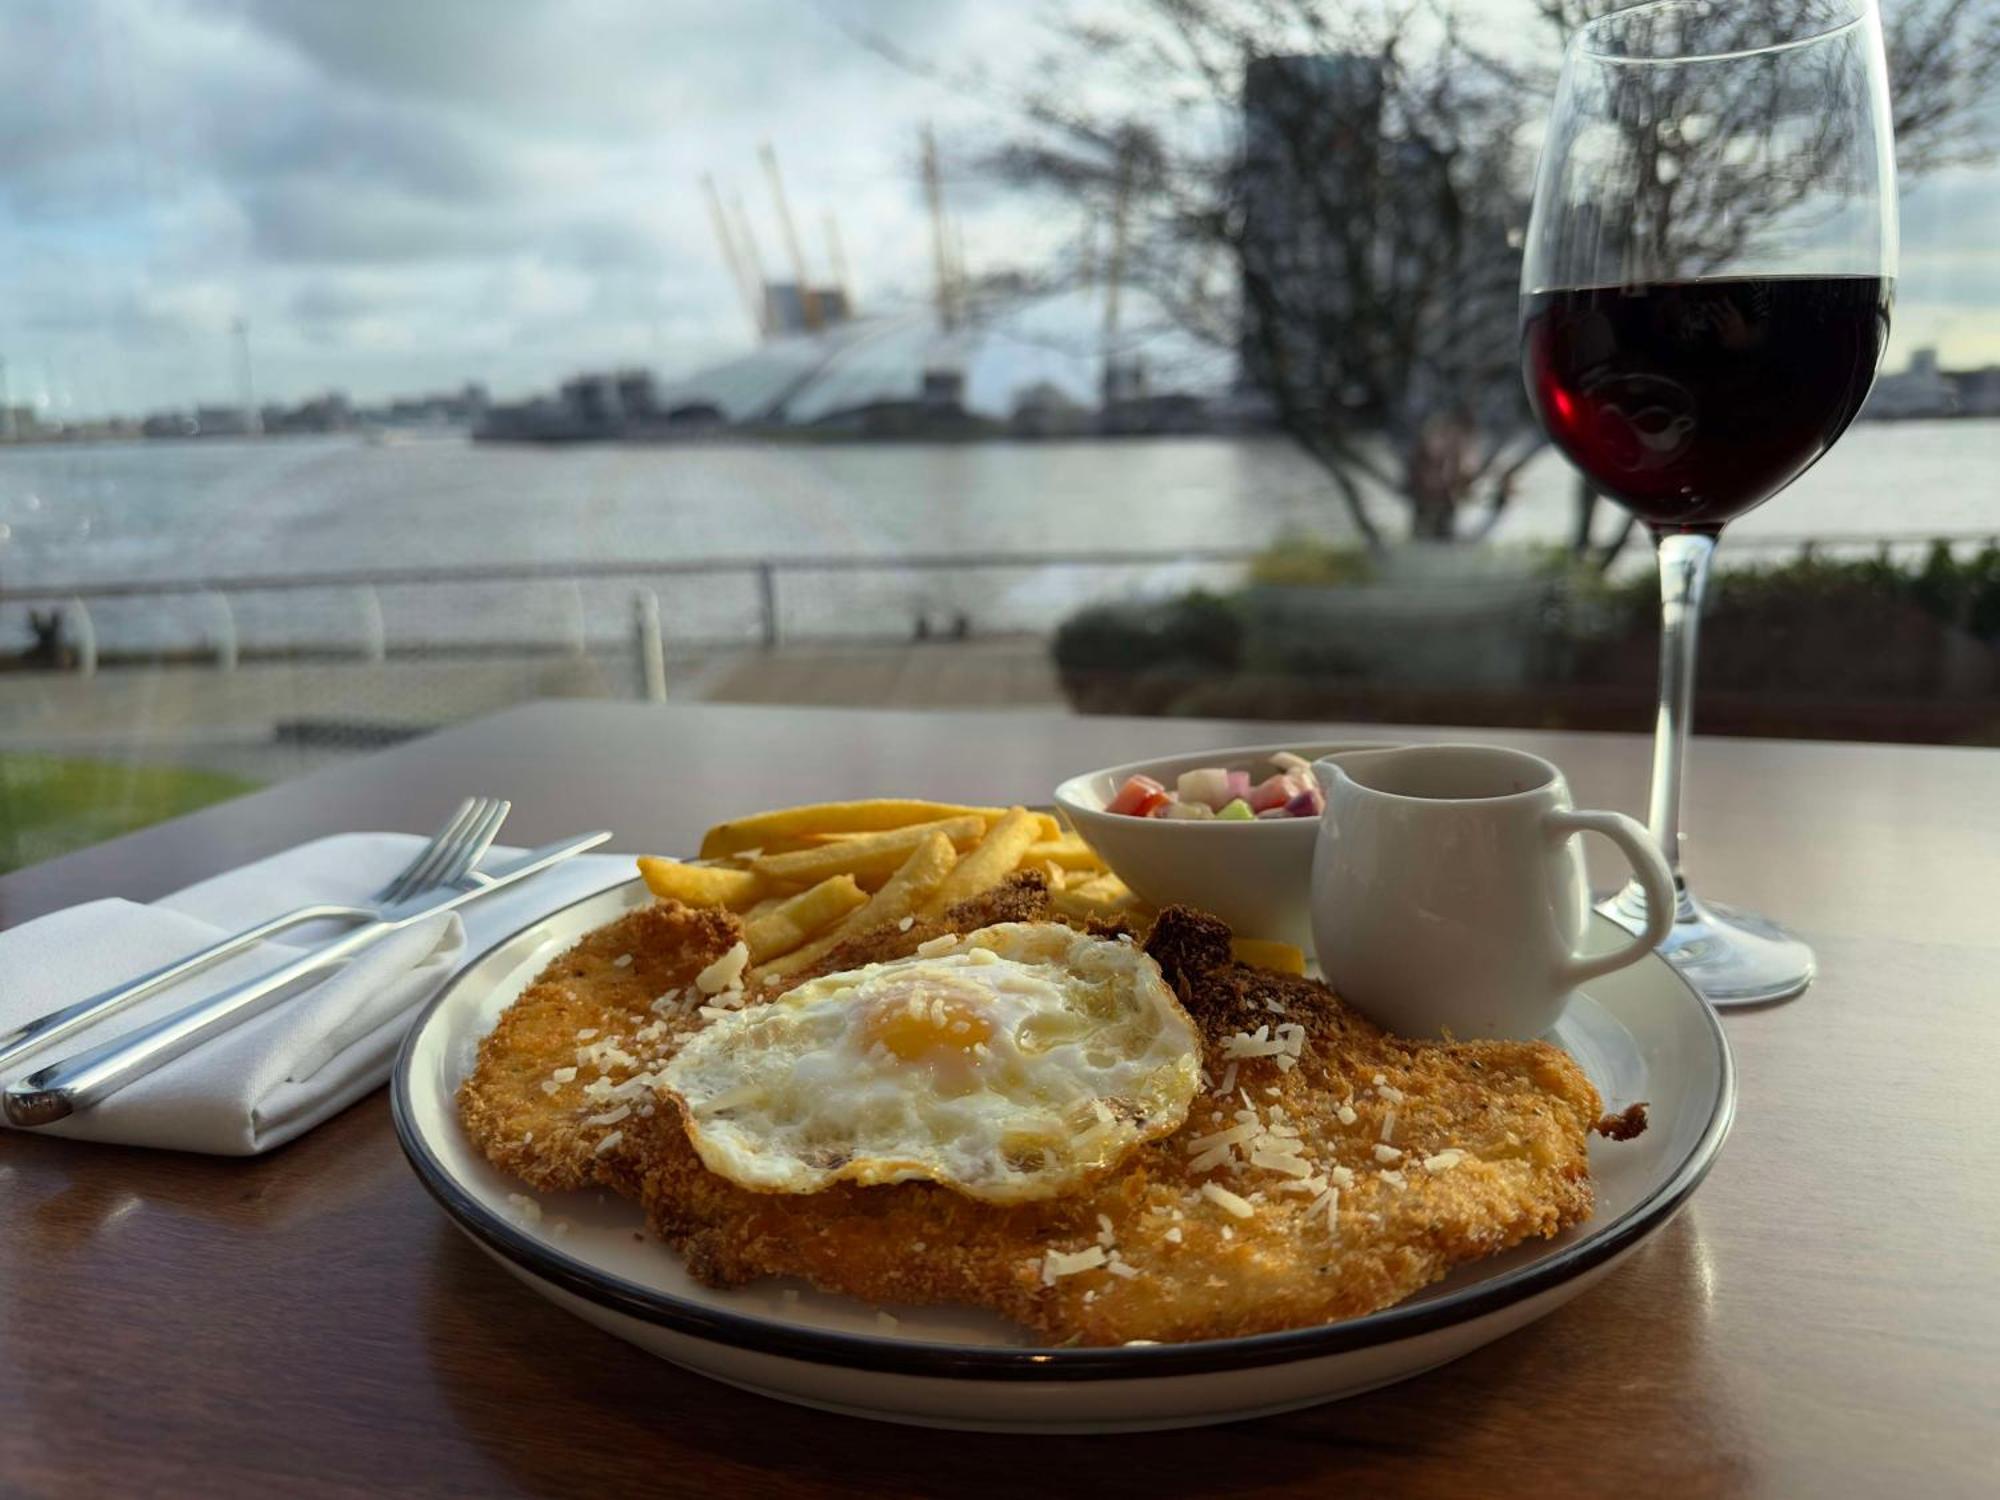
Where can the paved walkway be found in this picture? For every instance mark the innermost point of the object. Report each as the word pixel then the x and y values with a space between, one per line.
pixel 268 720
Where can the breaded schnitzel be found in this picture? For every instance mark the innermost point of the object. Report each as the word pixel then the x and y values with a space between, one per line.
pixel 1333 1169
pixel 582 1041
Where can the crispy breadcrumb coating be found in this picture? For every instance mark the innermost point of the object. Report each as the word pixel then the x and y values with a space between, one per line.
pixel 1347 1170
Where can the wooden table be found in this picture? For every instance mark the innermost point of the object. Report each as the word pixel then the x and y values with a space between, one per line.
pixel 1822 1320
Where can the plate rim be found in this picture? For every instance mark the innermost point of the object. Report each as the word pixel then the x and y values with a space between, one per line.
pixel 959 1361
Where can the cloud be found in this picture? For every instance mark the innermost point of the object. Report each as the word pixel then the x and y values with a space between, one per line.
pixel 404 194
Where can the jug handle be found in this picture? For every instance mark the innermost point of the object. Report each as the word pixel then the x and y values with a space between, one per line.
pixel 1654 878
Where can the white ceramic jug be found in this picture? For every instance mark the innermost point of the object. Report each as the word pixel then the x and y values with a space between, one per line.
pixel 1448 894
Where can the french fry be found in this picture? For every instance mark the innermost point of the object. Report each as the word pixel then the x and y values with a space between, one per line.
pixel 1260 953
pixel 1100 896
pixel 992 862
pixel 867 854
pixel 700 885
pixel 1070 852
pixel 776 830
pixel 1105 887
pixel 764 908
pixel 920 875
pixel 797 920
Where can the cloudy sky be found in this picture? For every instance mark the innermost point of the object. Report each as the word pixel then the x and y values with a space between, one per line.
pixel 399 195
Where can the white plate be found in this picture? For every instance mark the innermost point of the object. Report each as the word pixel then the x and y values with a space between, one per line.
pixel 1641 1034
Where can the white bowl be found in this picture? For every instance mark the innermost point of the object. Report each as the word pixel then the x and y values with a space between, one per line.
pixel 1256 876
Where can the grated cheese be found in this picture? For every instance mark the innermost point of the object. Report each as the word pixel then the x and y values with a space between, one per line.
pixel 608 1142
pixel 1346 1114
pixel 622 961
pixel 610 1116
pixel 1223 1138
pixel 942 943
pixel 726 973
pixel 1106 1235
pixel 563 1075
pixel 1058 1263
pixel 1387 1153
pixel 1270 1159
pixel 1258 1043
pixel 1228 1080
pixel 1173 1235
pixel 906 924
pixel 529 1210
pixel 1444 1161
pixel 1389 1126
pixel 1122 1269
pixel 586 1034
pixel 1229 1202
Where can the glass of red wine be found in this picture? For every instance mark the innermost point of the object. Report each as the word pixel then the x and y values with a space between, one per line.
pixel 1705 295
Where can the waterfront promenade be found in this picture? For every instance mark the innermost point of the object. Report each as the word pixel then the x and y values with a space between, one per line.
pixel 266 720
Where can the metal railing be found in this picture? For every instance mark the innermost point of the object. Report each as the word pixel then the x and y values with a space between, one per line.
pixel 371 641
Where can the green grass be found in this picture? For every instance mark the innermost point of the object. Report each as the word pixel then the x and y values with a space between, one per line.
pixel 49 806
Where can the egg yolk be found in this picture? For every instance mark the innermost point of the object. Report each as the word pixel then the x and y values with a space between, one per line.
pixel 918 1025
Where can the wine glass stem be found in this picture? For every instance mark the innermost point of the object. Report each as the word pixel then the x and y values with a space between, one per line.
pixel 1684 560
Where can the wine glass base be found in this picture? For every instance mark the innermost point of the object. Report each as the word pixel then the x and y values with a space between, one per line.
pixel 1731 957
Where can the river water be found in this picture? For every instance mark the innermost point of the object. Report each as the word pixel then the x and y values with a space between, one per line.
pixel 221 510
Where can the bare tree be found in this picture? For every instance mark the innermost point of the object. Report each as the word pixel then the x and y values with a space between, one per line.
pixel 1336 189
pixel 1944 60
pixel 1335 195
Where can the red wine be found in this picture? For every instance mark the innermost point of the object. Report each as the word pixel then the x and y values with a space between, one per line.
pixel 1692 401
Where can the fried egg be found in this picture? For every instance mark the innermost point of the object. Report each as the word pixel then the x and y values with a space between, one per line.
pixel 1011 1064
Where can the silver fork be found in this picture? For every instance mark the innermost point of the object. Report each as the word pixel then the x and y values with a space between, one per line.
pixel 445 861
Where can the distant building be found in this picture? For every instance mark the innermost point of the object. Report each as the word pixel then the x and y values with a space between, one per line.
pixel 1312 126
pixel 785 308
pixel 592 401
pixel 1978 391
pixel 637 395
pixel 942 391
pixel 223 421
pixel 1044 409
pixel 1919 389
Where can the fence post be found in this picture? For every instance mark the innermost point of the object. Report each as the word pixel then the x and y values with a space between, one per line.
pixel 374 634
pixel 86 638
pixel 652 651
pixel 767 599
pixel 226 652
pixel 579 629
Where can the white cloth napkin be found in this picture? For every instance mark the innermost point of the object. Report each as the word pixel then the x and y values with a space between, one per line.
pixel 308 1057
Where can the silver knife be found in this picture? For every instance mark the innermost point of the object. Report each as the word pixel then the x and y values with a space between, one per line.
pixel 88 1077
